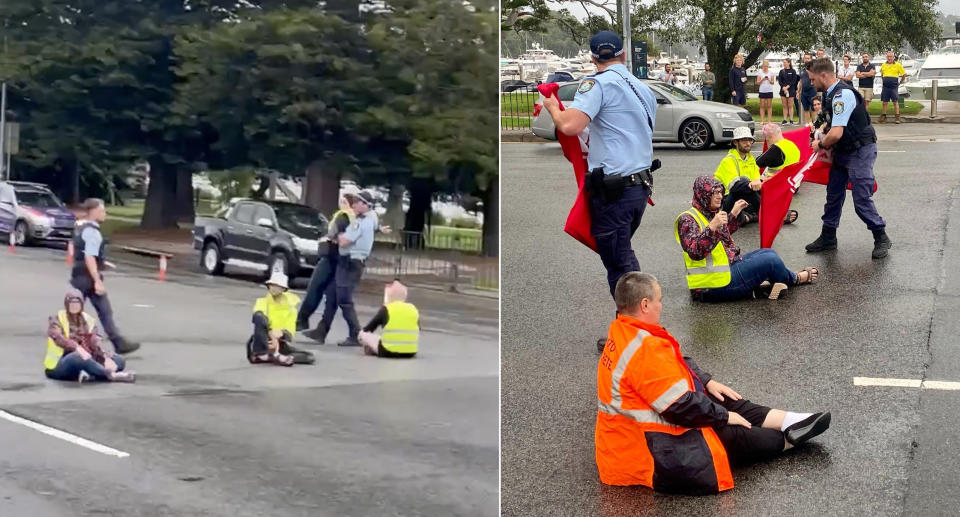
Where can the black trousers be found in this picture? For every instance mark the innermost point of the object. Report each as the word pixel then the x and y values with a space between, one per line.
pixel 258 342
pixel 100 302
pixel 323 287
pixel 745 446
pixel 741 190
pixel 349 272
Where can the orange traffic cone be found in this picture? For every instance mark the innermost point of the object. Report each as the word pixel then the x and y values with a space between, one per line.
pixel 163 268
pixel 69 258
pixel 13 243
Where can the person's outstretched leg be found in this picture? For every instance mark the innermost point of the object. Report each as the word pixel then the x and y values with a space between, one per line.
pixel 745 445
pixel 314 292
pixel 348 276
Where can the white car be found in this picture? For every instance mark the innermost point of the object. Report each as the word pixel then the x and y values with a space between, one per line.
pixel 681 117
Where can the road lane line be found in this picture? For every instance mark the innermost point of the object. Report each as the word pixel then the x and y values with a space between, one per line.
pixel 63 435
pixel 142 306
pixel 907 383
pixel 891 151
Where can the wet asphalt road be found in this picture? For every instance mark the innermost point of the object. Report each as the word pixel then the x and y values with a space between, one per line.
pixel 890 451
pixel 209 434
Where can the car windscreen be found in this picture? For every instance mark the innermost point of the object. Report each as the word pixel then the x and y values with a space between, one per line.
pixel 301 221
pixel 36 199
pixel 673 93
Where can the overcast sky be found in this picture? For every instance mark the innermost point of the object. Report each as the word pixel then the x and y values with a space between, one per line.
pixel 946 7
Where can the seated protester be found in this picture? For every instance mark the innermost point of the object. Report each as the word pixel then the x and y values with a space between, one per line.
pixel 274 323
pixel 665 423
pixel 716 272
pixel 401 326
pixel 780 153
pixel 73 347
pixel 739 174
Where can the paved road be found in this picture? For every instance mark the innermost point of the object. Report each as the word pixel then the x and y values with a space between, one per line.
pixel 891 451
pixel 209 434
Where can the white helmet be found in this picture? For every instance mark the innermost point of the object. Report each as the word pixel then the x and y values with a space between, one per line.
pixel 278 279
pixel 743 132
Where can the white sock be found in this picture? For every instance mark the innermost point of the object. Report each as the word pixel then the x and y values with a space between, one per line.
pixel 792 418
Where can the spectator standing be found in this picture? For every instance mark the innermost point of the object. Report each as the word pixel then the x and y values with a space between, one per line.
pixel 865 73
pixel 892 75
pixel 788 79
pixel 807 92
pixel 668 76
pixel 709 80
pixel 765 80
pixel 847 71
pixel 738 82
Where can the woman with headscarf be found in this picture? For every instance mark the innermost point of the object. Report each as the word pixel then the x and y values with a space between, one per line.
pixel 716 271
pixel 73 347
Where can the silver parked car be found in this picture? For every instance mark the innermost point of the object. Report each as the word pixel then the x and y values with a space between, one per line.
pixel 681 117
pixel 33 213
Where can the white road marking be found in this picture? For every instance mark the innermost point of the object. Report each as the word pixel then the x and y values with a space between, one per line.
pixel 906 383
pixel 143 306
pixel 891 151
pixel 63 435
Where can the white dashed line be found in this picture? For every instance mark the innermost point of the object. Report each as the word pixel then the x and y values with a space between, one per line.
pixel 63 435
pixel 142 306
pixel 891 151
pixel 906 383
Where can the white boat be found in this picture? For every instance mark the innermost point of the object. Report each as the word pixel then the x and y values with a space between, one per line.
pixel 942 65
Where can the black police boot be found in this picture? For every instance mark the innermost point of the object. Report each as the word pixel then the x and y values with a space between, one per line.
pixel 881 243
pixel 318 334
pixel 122 346
pixel 350 341
pixel 826 241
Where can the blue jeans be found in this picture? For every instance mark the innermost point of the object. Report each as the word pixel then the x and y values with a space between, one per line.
pixel 746 275
pixel 856 168
pixel 321 286
pixel 707 94
pixel 70 366
pixel 612 226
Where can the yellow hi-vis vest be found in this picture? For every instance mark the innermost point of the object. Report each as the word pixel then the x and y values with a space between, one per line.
pixel 791 154
pixel 54 352
pixel 729 170
pixel 714 269
pixel 402 331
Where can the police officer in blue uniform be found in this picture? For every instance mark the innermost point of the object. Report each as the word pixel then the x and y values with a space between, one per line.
pixel 854 143
pixel 620 111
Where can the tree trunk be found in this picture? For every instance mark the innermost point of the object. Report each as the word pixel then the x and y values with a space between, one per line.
pixel 421 194
pixel 160 210
pixel 73 172
pixel 394 216
pixel 185 202
pixel 720 62
pixel 491 219
pixel 322 188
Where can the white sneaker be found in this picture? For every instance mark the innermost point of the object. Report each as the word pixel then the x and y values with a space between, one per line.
pixel 84 377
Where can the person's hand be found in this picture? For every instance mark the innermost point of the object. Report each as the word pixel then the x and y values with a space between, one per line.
pixel 756 184
pixel 551 102
pixel 98 287
pixel 736 419
pixel 719 390
pixel 386 229
pixel 816 145
pixel 718 220
pixel 738 207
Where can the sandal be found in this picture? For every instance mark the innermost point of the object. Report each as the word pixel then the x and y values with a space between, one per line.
pixel 281 360
pixel 792 216
pixel 812 274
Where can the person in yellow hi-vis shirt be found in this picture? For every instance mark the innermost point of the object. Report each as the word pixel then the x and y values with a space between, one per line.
pixel 401 326
pixel 893 75
pixel 274 322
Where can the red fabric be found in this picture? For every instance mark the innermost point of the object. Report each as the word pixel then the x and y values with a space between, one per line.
pixel 777 192
pixel 578 220
pixel 575 149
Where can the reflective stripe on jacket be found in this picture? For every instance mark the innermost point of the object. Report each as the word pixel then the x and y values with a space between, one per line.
pixel 54 352
pixel 731 168
pixel 640 374
pixel 401 334
pixel 714 270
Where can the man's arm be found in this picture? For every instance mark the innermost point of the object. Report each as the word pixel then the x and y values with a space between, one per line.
pixel 678 404
pixel 697 243
pixel 55 332
pixel 570 121
pixel 379 319
pixel 351 235
pixel 702 375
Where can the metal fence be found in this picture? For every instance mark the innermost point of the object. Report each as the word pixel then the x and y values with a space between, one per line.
pixel 418 257
pixel 516 109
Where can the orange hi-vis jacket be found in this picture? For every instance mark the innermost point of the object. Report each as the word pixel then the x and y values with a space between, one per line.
pixel 640 374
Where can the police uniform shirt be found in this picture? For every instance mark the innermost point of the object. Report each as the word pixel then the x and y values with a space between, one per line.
pixel 621 134
pixel 92 239
pixel 843 105
pixel 360 235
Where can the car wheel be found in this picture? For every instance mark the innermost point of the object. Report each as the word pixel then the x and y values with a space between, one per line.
pixel 695 134
pixel 281 263
pixel 21 234
pixel 211 260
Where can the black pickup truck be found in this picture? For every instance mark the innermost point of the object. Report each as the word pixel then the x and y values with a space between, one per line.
pixel 263 235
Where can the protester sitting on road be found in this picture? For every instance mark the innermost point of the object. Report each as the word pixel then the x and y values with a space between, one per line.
pixel 401 326
pixel 716 272
pixel 665 423
pixel 274 322
pixel 73 347
pixel 780 153
pixel 739 174
pixel 321 284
